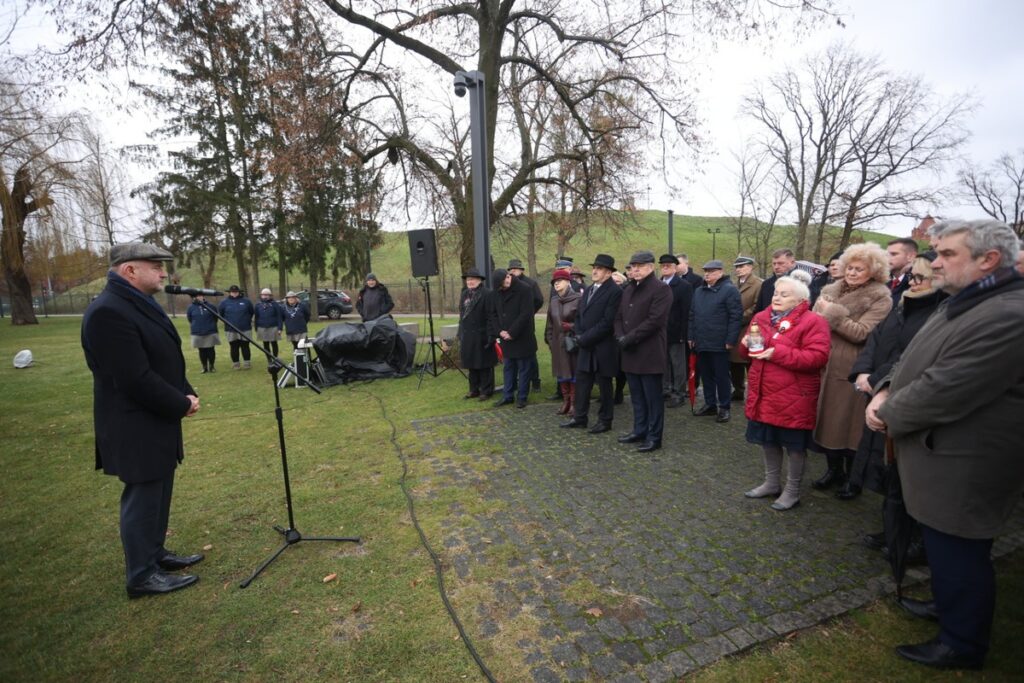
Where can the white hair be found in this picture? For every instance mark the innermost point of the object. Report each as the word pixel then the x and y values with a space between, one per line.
pixel 799 287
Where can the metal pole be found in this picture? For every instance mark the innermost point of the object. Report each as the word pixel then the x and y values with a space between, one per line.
pixel 671 213
pixel 714 240
pixel 473 83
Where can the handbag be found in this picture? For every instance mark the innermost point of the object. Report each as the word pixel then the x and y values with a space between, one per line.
pixel 570 343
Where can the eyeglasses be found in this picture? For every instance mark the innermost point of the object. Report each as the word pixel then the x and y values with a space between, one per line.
pixel 917 278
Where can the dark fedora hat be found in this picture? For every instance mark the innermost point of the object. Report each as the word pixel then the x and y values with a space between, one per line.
pixel 668 258
pixel 604 261
pixel 473 272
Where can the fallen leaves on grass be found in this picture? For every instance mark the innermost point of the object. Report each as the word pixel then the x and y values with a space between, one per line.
pixel 330 577
pixel 595 612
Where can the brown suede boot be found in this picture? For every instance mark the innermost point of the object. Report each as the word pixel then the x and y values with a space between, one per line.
pixel 572 397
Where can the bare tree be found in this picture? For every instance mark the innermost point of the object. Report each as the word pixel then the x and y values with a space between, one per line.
pixel 37 154
pixel 607 54
pixel 900 141
pixel 805 115
pixel 999 189
pixel 102 185
pixel 856 142
pixel 763 194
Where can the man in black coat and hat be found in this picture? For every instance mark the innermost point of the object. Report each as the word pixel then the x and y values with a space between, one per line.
pixel 140 395
pixel 598 358
pixel 515 267
pixel 512 316
pixel 476 341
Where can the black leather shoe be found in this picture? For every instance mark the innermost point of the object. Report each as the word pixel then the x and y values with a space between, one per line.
pixel 503 402
pixel 937 654
pixel 648 446
pixel 520 404
pixel 737 395
pixel 875 541
pixel 171 562
pixel 833 475
pixel 618 400
pixel 472 394
pixel 573 423
pixel 707 410
pixel 631 438
pixel 486 395
pixel 159 583
pixel 600 428
pixel 723 415
pixel 848 492
pixel 922 609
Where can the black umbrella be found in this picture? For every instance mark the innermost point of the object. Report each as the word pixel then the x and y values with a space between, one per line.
pixel 898 524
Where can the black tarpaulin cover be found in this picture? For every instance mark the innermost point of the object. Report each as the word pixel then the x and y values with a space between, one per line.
pixel 371 350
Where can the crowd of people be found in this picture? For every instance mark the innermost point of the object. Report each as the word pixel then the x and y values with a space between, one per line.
pixel 838 363
pixel 270 319
pixel 897 366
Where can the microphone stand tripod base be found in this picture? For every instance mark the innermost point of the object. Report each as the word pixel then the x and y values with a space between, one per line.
pixel 291 537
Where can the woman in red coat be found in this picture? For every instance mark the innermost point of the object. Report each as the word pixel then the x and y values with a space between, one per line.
pixel 783 385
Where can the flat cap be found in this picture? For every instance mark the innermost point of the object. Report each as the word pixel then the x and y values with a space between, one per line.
pixel 138 251
pixel 642 257
pixel 714 265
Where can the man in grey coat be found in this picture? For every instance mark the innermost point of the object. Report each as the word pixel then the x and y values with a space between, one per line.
pixel 952 407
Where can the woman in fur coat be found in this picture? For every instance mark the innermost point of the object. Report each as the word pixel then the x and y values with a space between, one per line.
pixel 853 307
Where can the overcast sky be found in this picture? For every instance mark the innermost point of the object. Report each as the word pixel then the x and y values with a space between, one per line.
pixel 958 46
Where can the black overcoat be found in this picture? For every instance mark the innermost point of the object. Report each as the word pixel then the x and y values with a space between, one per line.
pixel 883 348
pixel 139 385
pixel 643 318
pixel 476 341
pixel 595 330
pixel 512 311
pixel 715 316
pixel 679 315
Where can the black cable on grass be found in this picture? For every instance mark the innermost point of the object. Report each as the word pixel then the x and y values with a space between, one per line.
pixel 426 544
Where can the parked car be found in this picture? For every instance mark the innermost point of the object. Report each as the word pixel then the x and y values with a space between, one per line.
pixel 329 302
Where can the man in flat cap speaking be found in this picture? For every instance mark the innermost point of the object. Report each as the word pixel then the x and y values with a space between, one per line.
pixel 140 394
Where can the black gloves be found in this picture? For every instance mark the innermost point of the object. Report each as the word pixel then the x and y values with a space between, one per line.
pixel 625 341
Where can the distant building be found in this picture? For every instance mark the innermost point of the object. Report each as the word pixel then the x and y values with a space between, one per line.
pixel 920 233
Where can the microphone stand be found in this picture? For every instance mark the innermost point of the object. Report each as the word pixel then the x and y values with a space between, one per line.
pixel 291 534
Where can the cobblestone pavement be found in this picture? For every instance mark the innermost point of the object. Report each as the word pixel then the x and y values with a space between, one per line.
pixel 642 567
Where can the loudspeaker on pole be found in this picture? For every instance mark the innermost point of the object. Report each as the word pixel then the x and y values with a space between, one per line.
pixel 423 253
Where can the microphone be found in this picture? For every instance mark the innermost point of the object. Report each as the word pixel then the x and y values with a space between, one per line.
pixel 191 291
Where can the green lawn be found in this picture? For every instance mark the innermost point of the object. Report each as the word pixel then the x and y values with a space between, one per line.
pixel 66 618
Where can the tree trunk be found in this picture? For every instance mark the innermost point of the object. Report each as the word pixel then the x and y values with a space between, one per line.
pixel 12 245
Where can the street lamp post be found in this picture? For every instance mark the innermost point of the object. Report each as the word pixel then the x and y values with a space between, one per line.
pixel 472 82
pixel 714 240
